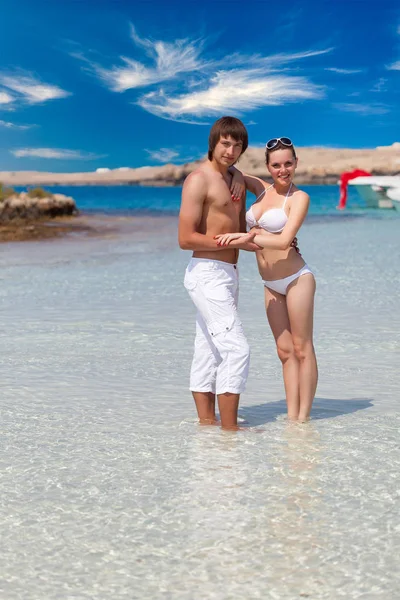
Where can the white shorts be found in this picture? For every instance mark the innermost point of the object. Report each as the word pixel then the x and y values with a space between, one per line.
pixel 221 352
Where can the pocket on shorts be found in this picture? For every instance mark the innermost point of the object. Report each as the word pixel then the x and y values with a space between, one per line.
pixel 189 281
pixel 221 325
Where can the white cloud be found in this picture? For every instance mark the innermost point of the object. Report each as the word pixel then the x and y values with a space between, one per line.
pixel 168 60
pixel 394 67
pixel 267 63
pixel 5 98
pixel 344 71
pixel 363 109
pixel 379 85
pixel 195 87
pixel 162 155
pixel 30 89
pixel 231 91
pixel 9 125
pixel 54 153
pixel 165 61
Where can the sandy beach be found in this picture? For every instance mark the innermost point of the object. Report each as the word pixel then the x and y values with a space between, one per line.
pixel 111 489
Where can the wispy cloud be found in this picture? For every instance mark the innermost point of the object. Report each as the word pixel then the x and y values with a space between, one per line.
pixel 194 87
pixel 344 71
pixel 163 155
pixel 394 67
pixel 363 109
pixel 5 98
pixel 30 89
pixel 380 85
pixel 171 60
pixel 9 125
pixel 55 153
pixel 231 91
pixel 167 60
pixel 269 63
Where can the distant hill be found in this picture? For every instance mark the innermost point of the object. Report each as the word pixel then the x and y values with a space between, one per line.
pixel 316 166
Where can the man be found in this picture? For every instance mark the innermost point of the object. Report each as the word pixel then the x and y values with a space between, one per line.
pixel 221 356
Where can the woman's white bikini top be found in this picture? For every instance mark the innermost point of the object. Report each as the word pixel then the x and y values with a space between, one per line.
pixel 272 220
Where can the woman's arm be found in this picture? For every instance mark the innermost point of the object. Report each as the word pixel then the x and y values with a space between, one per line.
pixel 283 240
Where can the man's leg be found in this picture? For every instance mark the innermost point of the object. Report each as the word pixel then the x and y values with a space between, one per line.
pixel 214 293
pixel 217 301
pixel 205 406
pixel 203 373
pixel 228 405
pixel 232 371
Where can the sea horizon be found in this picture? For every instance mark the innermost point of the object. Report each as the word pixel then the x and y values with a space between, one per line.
pixel 135 199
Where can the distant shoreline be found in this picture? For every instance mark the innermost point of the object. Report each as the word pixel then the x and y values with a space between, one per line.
pixel 158 183
pixel 317 166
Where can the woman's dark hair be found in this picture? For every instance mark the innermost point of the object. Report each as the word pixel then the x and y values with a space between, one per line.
pixel 279 146
pixel 227 126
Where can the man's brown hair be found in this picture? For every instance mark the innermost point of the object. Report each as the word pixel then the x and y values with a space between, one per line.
pixel 227 126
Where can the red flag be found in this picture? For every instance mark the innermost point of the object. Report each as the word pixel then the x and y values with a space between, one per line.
pixel 344 181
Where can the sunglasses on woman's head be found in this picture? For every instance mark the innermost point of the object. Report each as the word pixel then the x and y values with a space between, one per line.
pixel 275 141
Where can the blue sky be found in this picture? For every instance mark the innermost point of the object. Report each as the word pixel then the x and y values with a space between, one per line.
pixel 101 83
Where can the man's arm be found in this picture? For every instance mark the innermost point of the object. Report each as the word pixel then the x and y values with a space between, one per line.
pixel 194 194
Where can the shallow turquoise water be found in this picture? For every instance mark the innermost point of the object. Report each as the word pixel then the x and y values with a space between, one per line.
pixel 136 199
pixel 109 487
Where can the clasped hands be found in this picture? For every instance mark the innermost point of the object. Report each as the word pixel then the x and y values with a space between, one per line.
pixel 226 239
pixel 246 240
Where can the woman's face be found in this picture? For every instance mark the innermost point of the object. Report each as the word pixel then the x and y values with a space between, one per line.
pixel 282 165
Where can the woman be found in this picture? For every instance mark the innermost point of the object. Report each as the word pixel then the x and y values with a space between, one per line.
pixel 274 220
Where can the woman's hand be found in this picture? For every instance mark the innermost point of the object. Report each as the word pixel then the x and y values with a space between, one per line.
pixel 238 187
pixel 224 239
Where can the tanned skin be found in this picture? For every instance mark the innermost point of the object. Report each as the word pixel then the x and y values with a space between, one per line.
pixel 208 210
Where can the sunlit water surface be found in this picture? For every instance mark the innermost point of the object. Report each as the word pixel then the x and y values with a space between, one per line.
pixel 109 488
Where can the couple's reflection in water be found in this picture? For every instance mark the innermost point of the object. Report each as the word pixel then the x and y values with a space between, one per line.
pixel 255 501
pixel 258 501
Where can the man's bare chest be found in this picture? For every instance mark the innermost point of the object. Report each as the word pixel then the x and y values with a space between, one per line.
pixel 220 198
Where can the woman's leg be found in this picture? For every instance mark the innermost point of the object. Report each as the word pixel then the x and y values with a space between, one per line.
pixel 278 319
pixel 300 305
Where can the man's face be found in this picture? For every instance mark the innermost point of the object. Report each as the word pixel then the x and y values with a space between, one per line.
pixel 227 151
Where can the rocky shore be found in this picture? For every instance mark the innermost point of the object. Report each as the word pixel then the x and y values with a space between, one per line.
pixel 29 207
pixel 27 215
pixel 316 166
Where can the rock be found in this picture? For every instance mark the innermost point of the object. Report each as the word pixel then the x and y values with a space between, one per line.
pixel 25 207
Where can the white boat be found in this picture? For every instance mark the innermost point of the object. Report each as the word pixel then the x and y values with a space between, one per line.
pixel 394 195
pixel 374 190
